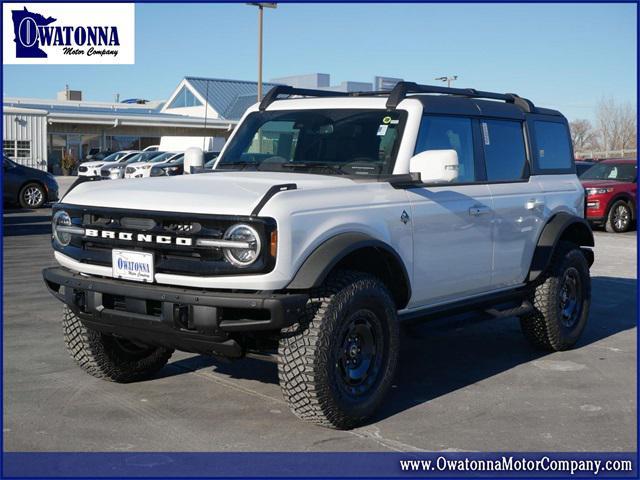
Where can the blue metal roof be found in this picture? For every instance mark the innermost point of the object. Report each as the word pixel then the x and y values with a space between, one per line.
pixel 230 98
pixel 81 108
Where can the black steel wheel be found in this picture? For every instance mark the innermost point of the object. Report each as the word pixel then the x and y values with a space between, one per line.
pixel 110 358
pixel 561 301
pixel 570 302
pixel 337 364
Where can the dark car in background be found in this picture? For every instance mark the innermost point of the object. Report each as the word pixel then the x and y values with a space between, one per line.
pixel 97 154
pixel 176 166
pixel 611 187
pixel 27 187
pixel 583 165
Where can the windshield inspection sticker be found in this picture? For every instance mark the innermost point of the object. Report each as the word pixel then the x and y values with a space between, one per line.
pixel 382 129
pixel 485 133
pixel 386 120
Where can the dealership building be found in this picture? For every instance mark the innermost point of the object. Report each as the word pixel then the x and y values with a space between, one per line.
pixel 36 132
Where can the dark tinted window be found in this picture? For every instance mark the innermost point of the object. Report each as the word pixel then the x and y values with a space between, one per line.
pixel 504 150
pixel 582 167
pixel 621 172
pixel 553 151
pixel 446 133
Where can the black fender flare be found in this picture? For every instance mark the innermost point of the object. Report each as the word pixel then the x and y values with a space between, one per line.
pixel 562 226
pixel 78 181
pixel 327 255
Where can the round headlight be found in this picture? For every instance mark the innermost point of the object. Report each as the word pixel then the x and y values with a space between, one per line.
pixel 242 257
pixel 59 219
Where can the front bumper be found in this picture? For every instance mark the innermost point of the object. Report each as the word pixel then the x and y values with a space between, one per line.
pixel 201 321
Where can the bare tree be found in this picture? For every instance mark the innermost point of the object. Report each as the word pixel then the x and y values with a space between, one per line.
pixel 616 125
pixel 583 135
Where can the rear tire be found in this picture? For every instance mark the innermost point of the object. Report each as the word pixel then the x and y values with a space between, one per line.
pixel 110 358
pixel 32 195
pixel 619 218
pixel 337 363
pixel 560 302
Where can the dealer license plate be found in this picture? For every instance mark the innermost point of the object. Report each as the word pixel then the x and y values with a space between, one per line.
pixel 130 265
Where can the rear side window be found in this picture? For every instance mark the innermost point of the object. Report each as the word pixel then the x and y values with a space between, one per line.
pixel 504 151
pixel 553 151
pixel 450 133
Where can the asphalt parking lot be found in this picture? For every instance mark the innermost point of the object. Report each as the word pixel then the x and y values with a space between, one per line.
pixel 465 385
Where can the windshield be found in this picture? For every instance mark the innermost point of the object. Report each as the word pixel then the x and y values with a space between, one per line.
pixel 162 158
pixel 114 157
pixel 620 172
pixel 143 157
pixel 333 142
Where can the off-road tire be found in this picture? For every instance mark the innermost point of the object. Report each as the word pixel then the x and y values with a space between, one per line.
pixel 104 356
pixel 311 352
pixel 545 327
pixel 611 225
pixel 30 193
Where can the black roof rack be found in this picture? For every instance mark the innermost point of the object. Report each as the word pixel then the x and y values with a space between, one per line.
pixel 278 90
pixel 401 90
pixel 396 95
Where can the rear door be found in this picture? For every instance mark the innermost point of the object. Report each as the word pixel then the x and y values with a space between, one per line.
pixel 518 201
pixel 452 223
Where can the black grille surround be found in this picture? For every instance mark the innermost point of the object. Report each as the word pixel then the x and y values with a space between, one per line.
pixel 170 258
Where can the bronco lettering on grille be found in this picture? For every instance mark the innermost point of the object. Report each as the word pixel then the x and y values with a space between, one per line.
pixel 139 237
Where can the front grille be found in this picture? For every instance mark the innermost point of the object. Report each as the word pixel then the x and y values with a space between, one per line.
pixel 82 169
pixel 104 173
pixel 144 227
pixel 130 170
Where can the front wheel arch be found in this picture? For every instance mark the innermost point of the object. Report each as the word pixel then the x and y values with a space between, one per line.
pixel 358 252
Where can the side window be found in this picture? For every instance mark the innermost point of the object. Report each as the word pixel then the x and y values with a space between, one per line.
pixel 553 151
pixel 444 133
pixel 504 151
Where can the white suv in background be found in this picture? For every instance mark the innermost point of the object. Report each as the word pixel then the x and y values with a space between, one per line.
pixel 327 221
pixel 92 169
pixel 143 169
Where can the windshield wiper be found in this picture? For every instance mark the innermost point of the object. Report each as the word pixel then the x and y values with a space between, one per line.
pixel 233 165
pixel 331 166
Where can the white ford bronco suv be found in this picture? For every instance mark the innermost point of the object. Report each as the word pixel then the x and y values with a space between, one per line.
pixel 328 219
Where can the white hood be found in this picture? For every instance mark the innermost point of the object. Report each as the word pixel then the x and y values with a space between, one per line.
pixel 137 164
pixel 222 193
pixel 110 164
pixel 94 164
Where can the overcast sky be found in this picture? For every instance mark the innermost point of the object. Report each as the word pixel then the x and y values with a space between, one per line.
pixel 562 56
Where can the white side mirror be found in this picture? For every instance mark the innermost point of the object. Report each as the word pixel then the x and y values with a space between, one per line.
pixel 193 158
pixel 435 166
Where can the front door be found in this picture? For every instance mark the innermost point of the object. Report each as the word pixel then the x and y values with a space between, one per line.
pixel 452 224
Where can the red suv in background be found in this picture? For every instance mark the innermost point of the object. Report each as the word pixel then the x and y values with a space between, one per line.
pixel 611 194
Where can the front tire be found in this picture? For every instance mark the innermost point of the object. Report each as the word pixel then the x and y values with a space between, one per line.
pixel 110 358
pixel 560 302
pixel 619 217
pixel 337 363
pixel 32 195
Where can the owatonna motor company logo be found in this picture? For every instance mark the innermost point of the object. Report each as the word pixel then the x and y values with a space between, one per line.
pixel 69 33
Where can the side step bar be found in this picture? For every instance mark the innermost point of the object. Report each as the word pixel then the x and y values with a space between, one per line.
pixel 523 309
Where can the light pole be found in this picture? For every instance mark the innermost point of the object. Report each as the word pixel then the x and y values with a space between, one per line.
pixel 447 79
pixel 261 6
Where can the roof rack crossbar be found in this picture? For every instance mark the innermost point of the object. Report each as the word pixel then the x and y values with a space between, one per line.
pixel 278 90
pixel 401 90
